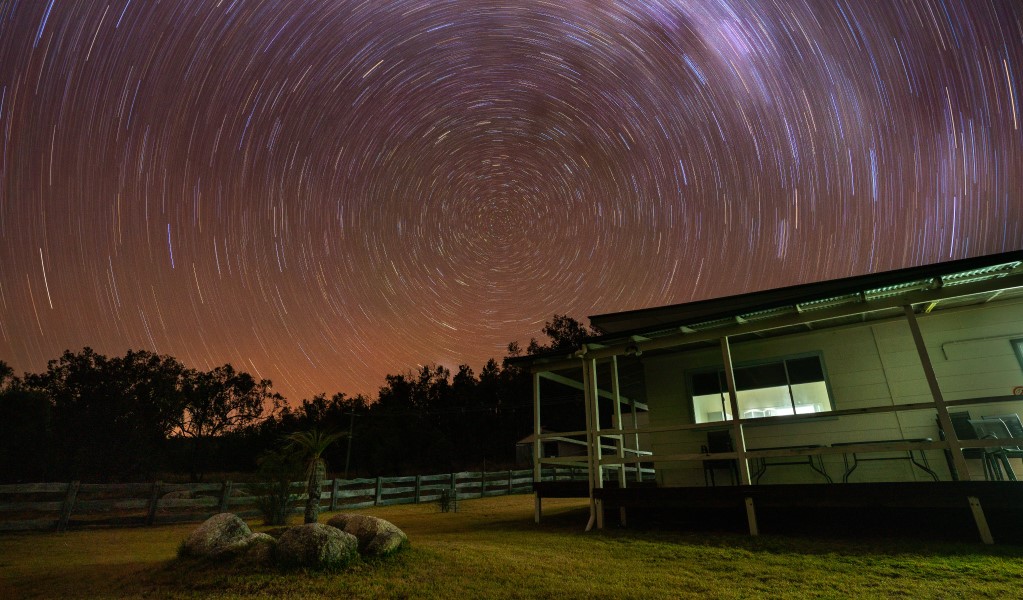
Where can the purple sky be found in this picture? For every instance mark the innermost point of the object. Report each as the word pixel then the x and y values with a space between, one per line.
pixel 323 192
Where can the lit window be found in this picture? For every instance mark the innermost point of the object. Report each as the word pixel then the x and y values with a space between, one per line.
pixel 788 386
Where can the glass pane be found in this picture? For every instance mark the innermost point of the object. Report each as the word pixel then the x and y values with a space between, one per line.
pixel 708 408
pixel 811 397
pixel 764 402
pixel 706 383
pixel 805 370
pixel 760 376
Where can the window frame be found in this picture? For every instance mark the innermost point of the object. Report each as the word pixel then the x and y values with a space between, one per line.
pixel 1017 346
pixel 767 361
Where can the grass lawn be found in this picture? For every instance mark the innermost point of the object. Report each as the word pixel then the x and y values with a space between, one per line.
pixel 491 548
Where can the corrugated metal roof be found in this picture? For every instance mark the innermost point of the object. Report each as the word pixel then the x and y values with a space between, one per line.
pixel 981 274
pixel 809 300
pixel 770 304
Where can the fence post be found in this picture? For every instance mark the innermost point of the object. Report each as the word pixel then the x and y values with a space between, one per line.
pixel 154 500
pixel 419 484
pixel 454 491
pixel 510 481
pixel 225 496
pixel 380 490
pixel 69 505
pixel 334 493
pixel 483 484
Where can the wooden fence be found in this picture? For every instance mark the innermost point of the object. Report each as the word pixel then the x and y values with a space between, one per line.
pixel 61 506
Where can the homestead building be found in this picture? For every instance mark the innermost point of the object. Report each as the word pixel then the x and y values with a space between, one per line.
pixel 898 389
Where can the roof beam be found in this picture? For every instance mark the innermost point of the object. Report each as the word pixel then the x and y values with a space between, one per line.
pixel 572 383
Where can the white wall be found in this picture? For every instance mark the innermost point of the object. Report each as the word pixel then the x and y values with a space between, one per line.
pixel 866 365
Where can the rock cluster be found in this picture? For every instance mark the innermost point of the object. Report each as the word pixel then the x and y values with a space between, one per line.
pixel 317 546
pixel 221 535
pixel 377 537
pixel 314 545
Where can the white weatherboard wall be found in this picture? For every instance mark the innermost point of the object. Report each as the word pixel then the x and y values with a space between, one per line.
pixel 873 364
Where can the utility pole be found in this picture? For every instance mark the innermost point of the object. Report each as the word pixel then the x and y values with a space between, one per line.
pixel 348 455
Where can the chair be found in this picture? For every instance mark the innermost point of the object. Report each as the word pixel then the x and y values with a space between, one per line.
pixel 1012 422
pixel 719 441
pixel 996 429
pixel 961 425
pixel 1015 427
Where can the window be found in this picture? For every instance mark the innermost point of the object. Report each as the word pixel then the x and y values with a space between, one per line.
pixel 785 386
pixel 1017 345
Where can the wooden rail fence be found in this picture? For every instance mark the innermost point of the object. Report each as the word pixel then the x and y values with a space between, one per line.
pixel 73 505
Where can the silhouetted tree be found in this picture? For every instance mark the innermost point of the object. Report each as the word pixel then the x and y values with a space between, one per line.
pixel 110 416
pixel 6 376
pixel 337 413
pixel 151 385
pixel 565 335
pixel 219 402
pixel 121 417
pixel 25 436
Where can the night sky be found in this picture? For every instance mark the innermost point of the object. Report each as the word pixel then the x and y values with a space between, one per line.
pixel 322 192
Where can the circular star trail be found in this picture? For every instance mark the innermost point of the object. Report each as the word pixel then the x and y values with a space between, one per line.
pixel 324 192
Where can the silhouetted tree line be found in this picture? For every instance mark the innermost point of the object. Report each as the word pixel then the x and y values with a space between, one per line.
pixel 95 418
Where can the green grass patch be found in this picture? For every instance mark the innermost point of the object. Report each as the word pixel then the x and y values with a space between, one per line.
pixel 491 548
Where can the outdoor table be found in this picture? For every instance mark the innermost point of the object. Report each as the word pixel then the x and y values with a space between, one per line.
pixel 808 459
pixel 850 466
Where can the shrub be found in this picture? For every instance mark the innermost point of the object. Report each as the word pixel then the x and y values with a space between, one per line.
pixel 447 501
pixel 276 494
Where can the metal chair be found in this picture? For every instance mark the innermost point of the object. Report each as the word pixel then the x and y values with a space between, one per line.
pixel 1012 422
pixel 996 429
pixel 961 425
pixel 719 441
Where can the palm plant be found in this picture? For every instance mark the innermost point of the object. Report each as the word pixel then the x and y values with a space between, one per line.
pixel 311 445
